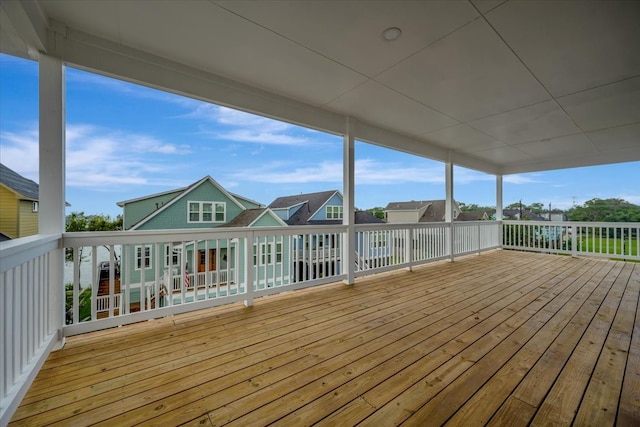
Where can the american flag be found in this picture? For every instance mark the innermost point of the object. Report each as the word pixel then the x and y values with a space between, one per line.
pixel 186 277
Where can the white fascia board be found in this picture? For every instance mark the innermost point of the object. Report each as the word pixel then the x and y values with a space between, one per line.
pixel 268 211
pixel 575 160
pixel 102 56
pixel 327 201
pixel 378 136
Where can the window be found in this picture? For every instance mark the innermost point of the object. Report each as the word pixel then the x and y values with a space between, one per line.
pixel 143 259
pixel 334 212
pixel 266 253
pixel 378 240
pixel 171 256
pixel 206 212
pixel 34 207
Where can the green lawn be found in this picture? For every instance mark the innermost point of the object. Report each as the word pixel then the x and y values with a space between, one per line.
pixel 599 244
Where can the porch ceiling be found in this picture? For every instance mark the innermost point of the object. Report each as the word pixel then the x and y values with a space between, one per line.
pixel 503 87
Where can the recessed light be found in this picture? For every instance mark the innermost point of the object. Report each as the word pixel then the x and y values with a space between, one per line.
pixel 391 33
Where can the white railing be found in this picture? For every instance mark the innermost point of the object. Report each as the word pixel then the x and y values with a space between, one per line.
pixel 151 274
pixel 27 331
pixel 104 303
pixel 608 240
pixel 383 247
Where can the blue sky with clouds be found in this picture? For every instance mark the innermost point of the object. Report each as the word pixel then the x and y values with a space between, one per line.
pixel 125 141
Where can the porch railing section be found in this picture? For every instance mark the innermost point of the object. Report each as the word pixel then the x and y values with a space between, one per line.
pixel 383 247
pixel 27 333
pixel 608 240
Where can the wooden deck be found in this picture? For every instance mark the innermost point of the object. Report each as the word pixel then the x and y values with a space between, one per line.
pixel 504 338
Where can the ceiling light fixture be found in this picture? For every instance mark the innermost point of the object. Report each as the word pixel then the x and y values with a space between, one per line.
pixel 391 33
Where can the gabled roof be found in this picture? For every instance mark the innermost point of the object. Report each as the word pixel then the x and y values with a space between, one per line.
pixel 24 187
pixel 183 192
pixel 250 216
pixel 243 199
pixel 407 206
pixel 311 203
pixel 434 212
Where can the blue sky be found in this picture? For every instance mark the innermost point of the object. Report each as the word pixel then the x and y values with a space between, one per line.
pixel 126 141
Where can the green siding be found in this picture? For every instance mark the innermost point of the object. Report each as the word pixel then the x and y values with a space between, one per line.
pixel 135 211
pixel 267 220
pixel 175 216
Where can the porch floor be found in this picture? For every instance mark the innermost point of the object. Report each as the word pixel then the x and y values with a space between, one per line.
pixel 504 338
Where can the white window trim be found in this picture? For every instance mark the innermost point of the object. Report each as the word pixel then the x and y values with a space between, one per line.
pixel 170 253
pixel 336 212
pixel 34 207
pixel 150 256
pixel 268 253
pixel 214 206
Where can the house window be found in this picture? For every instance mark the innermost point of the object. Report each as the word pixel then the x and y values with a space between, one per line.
pixel 267 254
pixel 378 240
pixel 334 212
pixel 34 207
pixel 143 258
pixel 207 212
pixel 172 258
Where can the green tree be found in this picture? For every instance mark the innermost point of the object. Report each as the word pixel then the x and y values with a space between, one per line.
pixel 605 210
pixel 473 207
pixel 378 212
pixel 79 222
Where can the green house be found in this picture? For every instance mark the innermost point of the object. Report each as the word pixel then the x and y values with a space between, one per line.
pixel 168 268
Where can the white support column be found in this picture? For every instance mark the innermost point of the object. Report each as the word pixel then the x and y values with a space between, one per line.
pixel 52 179
pixel 348 202
pixel 499 208
pixel 448 212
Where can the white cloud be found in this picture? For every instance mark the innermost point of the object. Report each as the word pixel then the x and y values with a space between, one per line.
pixel 97 158
pixel 521 179
pixel 238 126
pixel 367 171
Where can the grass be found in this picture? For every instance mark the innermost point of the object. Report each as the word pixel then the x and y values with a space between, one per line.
pixel 606 245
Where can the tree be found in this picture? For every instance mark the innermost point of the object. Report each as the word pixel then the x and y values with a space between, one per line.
pixel 378 212
pixel 473 207
pixel 605 210
pixel 79 222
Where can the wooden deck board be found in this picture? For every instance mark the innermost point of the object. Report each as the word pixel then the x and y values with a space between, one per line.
pixel 502 338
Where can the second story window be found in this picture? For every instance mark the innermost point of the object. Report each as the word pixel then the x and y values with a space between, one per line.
pixel 334 212
pixel 206 212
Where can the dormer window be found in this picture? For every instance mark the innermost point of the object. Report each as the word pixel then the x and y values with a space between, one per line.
pixel 334 212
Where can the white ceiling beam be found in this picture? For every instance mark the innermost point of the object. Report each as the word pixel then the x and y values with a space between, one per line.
pixel 104 57
pixel 25 25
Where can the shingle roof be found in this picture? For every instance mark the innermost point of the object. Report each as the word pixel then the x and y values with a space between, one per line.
pixel 311 203
pixel 245 218
pixel 26 187
pixel 434 212
pixel 404 206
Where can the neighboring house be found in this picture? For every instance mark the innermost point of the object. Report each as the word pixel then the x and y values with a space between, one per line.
pixel 18 205
pixel 203 204
pixel 321 208
pixel 317 253
pixel 419 211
